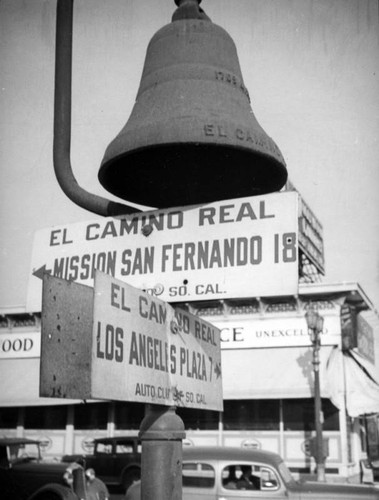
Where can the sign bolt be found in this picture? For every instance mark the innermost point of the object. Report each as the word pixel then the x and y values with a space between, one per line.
pixel 147 229
pixel 174 326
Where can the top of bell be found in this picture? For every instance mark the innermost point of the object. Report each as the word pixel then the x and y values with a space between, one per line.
pixel 192 136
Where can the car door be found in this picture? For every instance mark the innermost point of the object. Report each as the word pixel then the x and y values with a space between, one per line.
pixel 125 456
pixel 112 458
pixel 249 481
pixel 102 462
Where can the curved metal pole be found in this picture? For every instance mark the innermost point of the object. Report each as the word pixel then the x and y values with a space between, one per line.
pixel 62 122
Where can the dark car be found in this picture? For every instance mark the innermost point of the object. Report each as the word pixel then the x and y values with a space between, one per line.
pixel 374 464
pixel 25 476
pixel 116 460
pixel 214 473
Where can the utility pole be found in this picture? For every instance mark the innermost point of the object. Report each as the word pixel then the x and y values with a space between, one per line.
pixel 315 324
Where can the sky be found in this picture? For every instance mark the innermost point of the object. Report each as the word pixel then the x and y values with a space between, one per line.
pixel 311 68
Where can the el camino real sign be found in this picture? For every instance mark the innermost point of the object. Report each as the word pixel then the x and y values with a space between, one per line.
pixel 124 344
pixel 234 248
pixel 143 350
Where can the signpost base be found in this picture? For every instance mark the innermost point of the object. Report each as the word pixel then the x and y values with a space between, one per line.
pixel 161 433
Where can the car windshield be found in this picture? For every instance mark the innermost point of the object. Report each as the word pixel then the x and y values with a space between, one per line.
pixel 21 451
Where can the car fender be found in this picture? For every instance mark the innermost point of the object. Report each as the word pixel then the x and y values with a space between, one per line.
pixel 134 492
pixel 63 492
pixel 130 469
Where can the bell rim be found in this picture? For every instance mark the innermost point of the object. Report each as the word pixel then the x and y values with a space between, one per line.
pixel 113 176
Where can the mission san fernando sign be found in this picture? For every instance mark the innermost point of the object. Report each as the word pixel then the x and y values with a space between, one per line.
pixel 234 248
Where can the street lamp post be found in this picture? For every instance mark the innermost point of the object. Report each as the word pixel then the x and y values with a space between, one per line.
pixel 315 323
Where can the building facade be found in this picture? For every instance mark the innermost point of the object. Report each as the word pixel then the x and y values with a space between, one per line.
pixel 268 384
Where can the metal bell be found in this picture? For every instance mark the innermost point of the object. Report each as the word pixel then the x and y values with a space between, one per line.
pixel 192 136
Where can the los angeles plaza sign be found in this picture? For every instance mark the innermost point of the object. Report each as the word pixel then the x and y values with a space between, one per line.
pixel 235 248
pixel 118 342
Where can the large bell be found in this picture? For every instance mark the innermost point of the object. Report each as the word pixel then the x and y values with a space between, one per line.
pixel 192 136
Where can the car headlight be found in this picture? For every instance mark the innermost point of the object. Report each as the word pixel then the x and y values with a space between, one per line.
pixel 90 475
pixel 68 476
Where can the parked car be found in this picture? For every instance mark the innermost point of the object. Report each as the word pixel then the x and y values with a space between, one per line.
pixel 236 473
pixel 25 476
pixel 116 460
pixel 374 466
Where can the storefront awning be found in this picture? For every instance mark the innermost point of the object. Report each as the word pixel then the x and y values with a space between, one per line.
pixel 351 382
pixel 270 373
pixel 19 384
pixel 280 373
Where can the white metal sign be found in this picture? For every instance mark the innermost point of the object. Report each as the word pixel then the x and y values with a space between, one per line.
pixel 20 345
pixel 145 351
pixel 234 248
pixel 248 333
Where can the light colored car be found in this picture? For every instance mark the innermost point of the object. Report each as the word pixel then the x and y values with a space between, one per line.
pixel 215 473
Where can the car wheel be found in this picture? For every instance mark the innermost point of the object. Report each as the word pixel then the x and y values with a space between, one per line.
pixel 60 493
pixel 130 476
pixel 52 496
